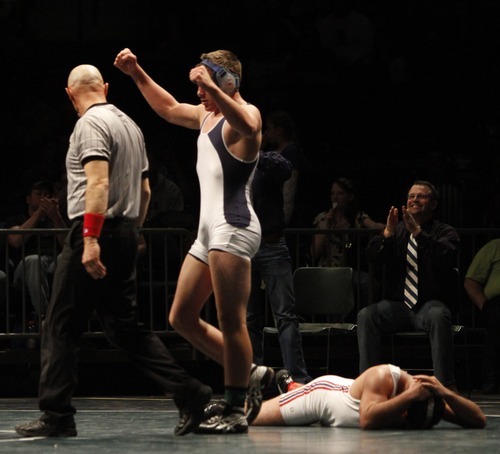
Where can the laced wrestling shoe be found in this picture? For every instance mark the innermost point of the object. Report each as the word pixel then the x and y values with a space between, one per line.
pixel 223 419
pixel 48 426
pixel 214 408
pixel 284 382
pixel 192 412
pixel 260 378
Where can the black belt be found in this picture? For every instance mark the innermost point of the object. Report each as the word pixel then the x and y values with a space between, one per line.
pixel 108 221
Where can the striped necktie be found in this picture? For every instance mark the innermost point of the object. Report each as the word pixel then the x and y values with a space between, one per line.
pixel 411 281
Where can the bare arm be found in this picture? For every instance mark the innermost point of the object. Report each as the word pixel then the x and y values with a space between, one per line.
pixel 49 208
pixel 143 210
pixel 237 113
pixel 145 198
pixel 16 241
pixel 475 291
pixel 244 135
pixel 319 242
pixel 160 100
pixel 458 409
pixel 377 409
pixel 96 201
pixel 392 222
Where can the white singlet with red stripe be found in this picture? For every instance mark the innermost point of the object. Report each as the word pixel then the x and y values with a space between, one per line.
pixel 325 400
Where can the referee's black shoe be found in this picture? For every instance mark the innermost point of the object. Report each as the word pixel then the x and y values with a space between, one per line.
pixel 192 407
pixel 48 426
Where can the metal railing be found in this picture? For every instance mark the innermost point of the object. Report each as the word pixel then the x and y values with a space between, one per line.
pixel 159 266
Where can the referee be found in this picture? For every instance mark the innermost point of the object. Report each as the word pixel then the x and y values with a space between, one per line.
pixel 108 196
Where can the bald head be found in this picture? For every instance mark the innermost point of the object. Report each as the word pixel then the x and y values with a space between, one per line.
pixel 86 87
pixel 85 75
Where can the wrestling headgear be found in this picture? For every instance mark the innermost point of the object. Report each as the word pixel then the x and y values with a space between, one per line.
pixel 225 79
pixel 426 413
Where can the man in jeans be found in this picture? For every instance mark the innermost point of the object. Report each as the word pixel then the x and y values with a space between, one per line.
pixel 272 267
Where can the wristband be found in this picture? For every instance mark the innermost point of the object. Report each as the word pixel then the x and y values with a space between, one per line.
pixel 92 224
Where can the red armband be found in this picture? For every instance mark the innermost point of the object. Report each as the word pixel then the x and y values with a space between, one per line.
pixel 92 224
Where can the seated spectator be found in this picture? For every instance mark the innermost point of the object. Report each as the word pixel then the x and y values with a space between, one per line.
pixel 339 249
pixel 482 284
pixel 419 254
pixel 34 255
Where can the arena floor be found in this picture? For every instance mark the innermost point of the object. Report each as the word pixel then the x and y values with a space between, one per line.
pixel 145 425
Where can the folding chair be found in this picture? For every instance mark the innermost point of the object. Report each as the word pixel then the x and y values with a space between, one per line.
pixel 323 297
pixel 454 300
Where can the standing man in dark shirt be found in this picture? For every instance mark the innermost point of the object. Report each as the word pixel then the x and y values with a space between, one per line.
pixel 437 247
pixel 108 196
pixel 34 256
pixel 281 137
pixel 272 266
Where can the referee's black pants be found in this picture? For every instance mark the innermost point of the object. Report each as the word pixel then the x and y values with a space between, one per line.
pixel 76 295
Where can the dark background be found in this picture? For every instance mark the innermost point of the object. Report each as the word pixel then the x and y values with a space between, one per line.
pixel 382 91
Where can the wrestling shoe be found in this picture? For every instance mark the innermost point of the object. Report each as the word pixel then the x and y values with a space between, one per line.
pixel 48 426
pixel 214 408
pixel 223 419
pixel 191 413
pixel 260 378
pixel 285 383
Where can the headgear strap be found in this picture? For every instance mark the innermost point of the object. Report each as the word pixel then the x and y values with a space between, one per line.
pixel 225 79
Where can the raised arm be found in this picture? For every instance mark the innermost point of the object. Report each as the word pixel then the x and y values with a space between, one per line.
pixel 380 246
pixel 16 241
pixel 244 118
pixel 244 134
pixel 319 241
pixel 160 100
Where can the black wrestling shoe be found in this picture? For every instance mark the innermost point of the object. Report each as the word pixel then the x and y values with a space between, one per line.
pixel 223 419
pixel 285 383
pixel 214 408
pixel 48 426
pixel 260 378
pixel 192 412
